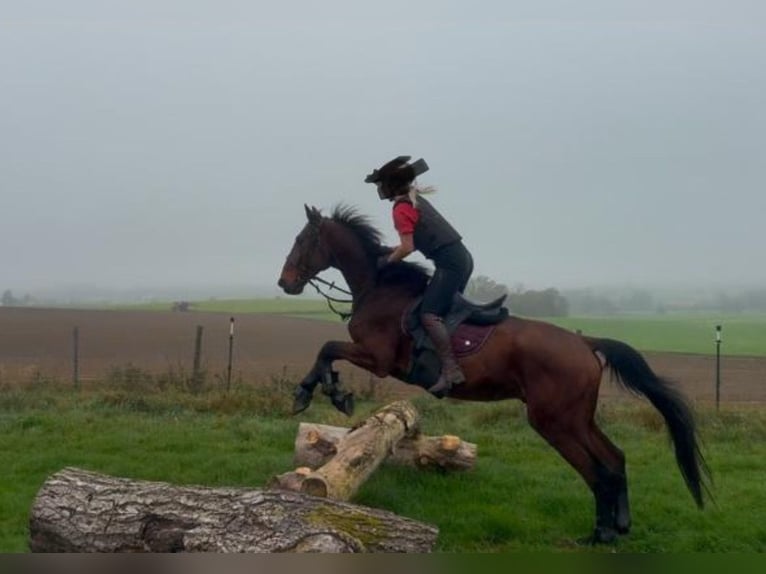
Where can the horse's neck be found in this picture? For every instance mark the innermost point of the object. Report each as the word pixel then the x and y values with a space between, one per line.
pixel 352 261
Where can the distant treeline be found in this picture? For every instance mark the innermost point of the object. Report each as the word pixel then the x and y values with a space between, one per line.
pixel 752 300
pixel 9 300
pixel 593 302
pixel 553 303
pixel 527 302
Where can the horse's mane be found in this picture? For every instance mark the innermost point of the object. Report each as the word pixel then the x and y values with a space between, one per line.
pixel 402 273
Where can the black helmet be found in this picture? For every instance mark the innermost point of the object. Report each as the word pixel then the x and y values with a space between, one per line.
pixel 396 175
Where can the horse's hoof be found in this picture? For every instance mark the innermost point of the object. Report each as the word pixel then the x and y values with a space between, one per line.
pixel 344 402
pixel 601 535
pixel 301 400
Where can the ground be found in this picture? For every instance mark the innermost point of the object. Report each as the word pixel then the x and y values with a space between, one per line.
pixel 39 342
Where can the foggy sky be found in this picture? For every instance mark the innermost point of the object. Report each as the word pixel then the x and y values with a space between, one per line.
pixel 573 143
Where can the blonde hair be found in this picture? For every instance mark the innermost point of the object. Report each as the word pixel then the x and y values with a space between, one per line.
pixel 416 191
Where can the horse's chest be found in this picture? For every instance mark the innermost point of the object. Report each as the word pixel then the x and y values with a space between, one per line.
pixel 369 327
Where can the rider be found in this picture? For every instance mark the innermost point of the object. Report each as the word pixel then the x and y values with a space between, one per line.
pixel 422 228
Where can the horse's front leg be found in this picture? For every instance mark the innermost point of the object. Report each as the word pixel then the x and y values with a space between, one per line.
pixel 322 372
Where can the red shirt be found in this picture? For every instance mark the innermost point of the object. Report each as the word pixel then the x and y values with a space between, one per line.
pixel 405 217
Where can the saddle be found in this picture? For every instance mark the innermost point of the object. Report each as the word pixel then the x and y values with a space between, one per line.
pixel 469 324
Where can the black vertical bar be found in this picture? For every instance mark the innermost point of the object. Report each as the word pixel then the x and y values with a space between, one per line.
pixel 76 357
pixel 196 374
pixel 231 346
pixel 717 366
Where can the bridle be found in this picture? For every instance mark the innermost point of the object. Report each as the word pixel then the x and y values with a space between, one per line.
pixel 303 272
pixel 344 316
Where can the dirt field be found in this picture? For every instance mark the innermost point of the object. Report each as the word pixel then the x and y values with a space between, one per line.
pixel 40 341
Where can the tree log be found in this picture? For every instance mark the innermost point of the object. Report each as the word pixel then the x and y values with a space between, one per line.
pixel 316 444
pixel 80 511
pixel 358 454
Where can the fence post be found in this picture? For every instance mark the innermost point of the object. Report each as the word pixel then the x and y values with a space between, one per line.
pixel 717 366
pixel 76 357
pixel 196 372
pixel 231 345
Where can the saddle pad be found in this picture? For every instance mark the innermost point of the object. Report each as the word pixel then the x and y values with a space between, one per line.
pixel 468 339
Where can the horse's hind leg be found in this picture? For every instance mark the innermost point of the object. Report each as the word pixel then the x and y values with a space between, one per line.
pixel 610 488
pixel 616 475
pixel 574 434
pixel 569 442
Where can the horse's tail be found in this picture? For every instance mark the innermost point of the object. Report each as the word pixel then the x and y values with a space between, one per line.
pixel 631 370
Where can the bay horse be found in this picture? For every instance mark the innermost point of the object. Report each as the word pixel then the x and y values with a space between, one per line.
pixel 557 373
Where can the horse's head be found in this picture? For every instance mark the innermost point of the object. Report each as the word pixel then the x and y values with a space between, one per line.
pixel 308 256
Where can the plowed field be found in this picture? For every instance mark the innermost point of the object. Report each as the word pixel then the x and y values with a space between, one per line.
pixel 40 341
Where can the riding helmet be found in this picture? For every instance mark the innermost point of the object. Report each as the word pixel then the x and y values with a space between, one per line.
pixel 396 175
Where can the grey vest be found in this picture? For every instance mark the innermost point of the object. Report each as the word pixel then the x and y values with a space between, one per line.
pixel 432 231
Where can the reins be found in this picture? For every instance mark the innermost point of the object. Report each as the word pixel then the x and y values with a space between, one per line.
pixel 330 299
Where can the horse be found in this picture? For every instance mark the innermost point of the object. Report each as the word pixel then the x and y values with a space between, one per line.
pixel 555 372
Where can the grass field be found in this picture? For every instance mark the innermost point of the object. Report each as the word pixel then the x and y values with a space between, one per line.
pixel 743 335
pixel 520 497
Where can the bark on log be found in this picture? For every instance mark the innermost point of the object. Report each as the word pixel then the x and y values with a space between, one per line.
pixel 81 511
pixel 316 444
pixel 360 452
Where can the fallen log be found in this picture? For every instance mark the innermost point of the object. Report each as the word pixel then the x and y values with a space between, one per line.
pixel 81 511
pixel 358 454
pixel 316 444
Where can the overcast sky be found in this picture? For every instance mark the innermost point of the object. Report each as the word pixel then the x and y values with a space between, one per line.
pixel 573 143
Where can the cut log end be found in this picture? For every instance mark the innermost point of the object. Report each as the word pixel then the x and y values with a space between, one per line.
pixel 450 443
pixel 315 486
pixel 292 481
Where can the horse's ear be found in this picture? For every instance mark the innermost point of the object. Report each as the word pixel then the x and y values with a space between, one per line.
pixel 313 215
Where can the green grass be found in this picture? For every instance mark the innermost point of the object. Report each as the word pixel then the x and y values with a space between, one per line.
pixel 293 306
pixel 741 335
pixel 520 497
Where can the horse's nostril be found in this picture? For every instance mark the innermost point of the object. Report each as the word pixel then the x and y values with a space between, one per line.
pixel 281 283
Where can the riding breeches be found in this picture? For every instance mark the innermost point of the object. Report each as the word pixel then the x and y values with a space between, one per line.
pixel 454 266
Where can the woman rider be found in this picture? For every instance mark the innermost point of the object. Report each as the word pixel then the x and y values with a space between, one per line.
pixel 421 227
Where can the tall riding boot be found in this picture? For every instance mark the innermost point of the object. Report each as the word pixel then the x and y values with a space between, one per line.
pixel 450 373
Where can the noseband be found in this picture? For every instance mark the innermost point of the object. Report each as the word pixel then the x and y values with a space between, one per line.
pixel 303 272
